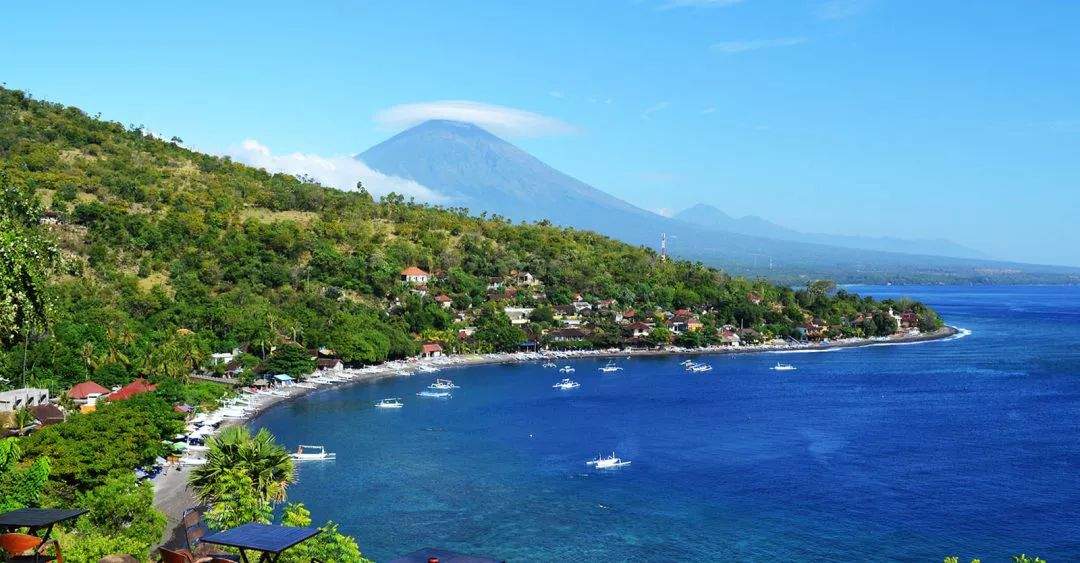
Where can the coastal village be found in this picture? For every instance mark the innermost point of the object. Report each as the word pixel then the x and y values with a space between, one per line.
pixel 581 325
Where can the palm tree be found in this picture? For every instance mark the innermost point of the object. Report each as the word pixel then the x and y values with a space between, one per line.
pixel 259 457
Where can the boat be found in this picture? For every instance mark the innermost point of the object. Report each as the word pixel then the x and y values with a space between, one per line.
pixel 390 403
pixel 609 462
pixel 783 367
pixel 566 384
pixel 442 384
pixel 434 394
pixel 700 368
pixel 610 367
pixel 566 369
pixel 548 364
pixel 316 453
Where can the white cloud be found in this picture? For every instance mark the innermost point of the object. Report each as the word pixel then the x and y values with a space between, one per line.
pixel 840 9
pixel 341 172
pixel 733 47
pixel 649 111
pixel 500 120
pixel 665 211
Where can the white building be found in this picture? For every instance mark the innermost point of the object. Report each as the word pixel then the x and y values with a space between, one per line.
pixel 518 315
pixel 18 399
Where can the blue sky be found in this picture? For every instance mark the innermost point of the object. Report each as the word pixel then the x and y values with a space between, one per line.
pixel 876 117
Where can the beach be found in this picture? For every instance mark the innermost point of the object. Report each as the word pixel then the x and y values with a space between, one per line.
pixel 170 487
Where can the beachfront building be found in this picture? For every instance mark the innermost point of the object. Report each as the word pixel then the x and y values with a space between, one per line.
pixel 329 364
pixel 221 358
pixel 639 329
pixel 431 350
pixel 18 399
pixel 415 276
pixel 567 335
pixel 518 315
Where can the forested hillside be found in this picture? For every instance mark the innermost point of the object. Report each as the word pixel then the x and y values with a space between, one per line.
pixel 169 255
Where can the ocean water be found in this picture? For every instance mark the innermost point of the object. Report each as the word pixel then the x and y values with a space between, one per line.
pixel 913 452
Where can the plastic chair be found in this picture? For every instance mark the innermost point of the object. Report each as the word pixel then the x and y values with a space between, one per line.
pixel 24 547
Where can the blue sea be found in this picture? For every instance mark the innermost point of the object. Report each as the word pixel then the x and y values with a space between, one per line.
pixel 966 447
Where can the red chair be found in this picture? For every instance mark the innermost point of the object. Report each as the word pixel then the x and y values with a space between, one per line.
pixel 24 547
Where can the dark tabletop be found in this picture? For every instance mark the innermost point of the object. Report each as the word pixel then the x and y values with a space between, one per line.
pixel 38 517
pixel 262 537
pixel 444 556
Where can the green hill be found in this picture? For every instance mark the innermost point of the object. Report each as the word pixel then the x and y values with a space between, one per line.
pixel 170 255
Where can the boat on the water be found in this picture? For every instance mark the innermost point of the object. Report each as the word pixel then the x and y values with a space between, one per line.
pixel 566 369
pixel 442 385
pixel 390 403
pixel 610 367
pixel 312 453
pixel 566 384
pixel 434 394
pixel 783 367
pixel 548 364
pixel 699 368
pixel 609 462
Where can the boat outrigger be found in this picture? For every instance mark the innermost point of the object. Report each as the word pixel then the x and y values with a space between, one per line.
pixel 566 384
pixel 312 453
pixel 609 462
pixel 783 367
pixel 566 369
pixel 390 403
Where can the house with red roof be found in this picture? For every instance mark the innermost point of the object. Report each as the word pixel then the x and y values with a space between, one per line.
pixel 86 392
pixel 444 300
pixel 415 275
pixel 431 350
pixel 137 387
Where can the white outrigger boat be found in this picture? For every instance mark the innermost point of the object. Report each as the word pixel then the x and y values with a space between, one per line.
pixel 699 368
pixel 390 403
pixel 566 384
pixel 442 385
pixel 548 364
pixel 434 394
pixel 783 367
pixel 566 369
pixel 316 453
pixel 610 462
pixel 610 367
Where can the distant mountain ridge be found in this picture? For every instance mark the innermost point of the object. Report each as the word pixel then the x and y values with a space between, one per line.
pixel 709 216
pixel 475 169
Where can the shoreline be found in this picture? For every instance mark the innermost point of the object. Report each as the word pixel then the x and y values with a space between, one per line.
pixel 172 496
